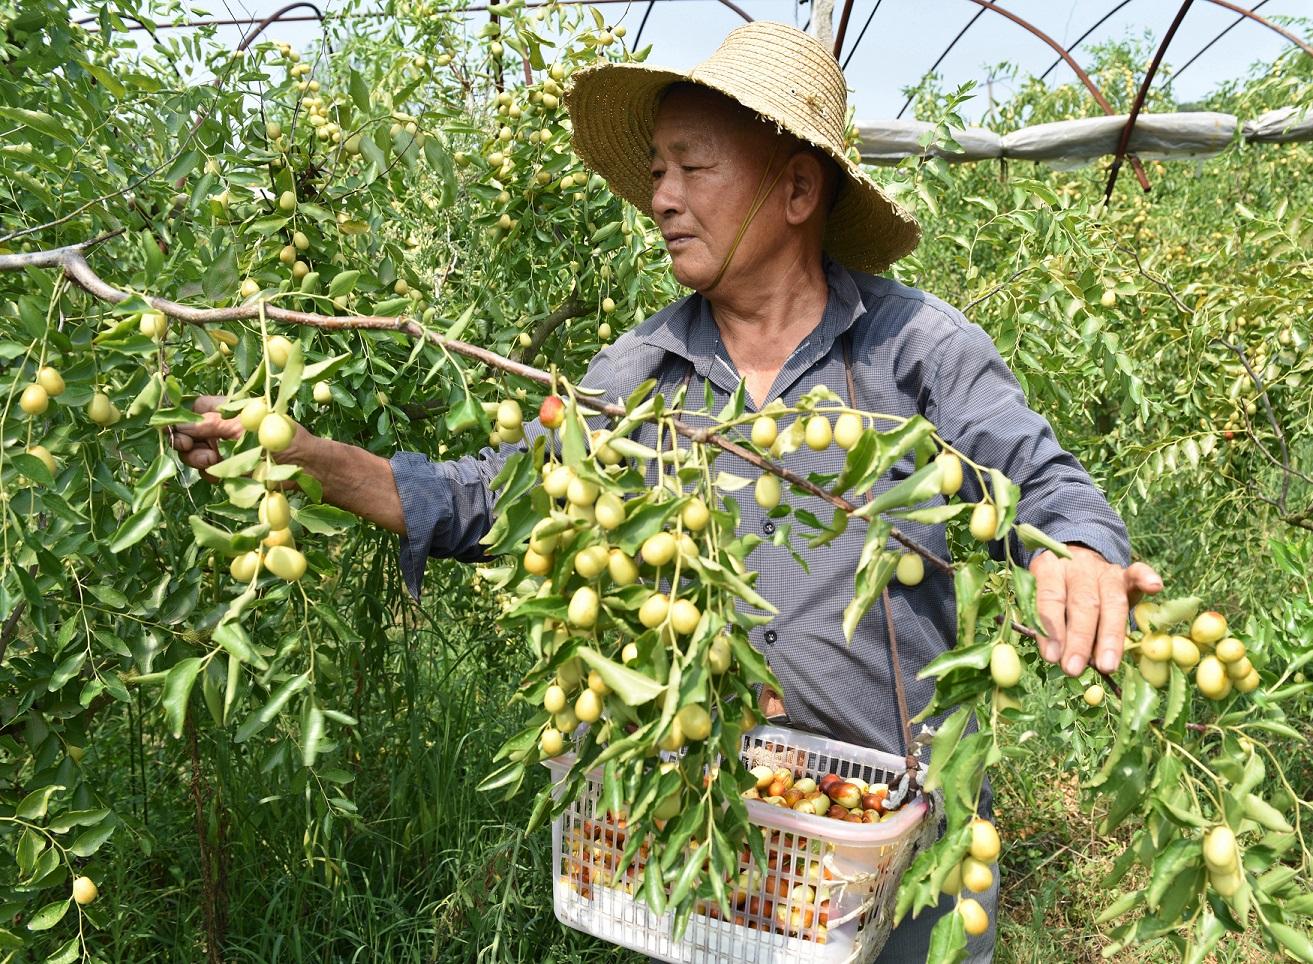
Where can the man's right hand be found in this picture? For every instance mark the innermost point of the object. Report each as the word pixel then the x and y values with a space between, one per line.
pixel 199 441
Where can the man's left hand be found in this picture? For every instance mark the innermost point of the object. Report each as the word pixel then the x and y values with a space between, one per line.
pixel 1086 599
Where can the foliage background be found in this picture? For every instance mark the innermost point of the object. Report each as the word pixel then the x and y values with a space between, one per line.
pixel 372 844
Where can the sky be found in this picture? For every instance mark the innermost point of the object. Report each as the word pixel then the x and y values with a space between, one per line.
pixel 906 36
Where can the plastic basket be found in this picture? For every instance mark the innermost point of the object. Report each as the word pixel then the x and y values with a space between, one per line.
pixel 851 870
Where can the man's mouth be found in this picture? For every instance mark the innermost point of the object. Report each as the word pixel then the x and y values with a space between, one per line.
pixel 675 242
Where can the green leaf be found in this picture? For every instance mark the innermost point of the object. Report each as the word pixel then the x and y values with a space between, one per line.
pixel 183 165
pixel 33 806
pixel 945 742
pixel 324 519
pixel 1033 538
pixel 67 954
pixel 343 283
pixel 233 638
pixel 754 666
pixel 359 92
pixel 177 692
pixel 135 528
pixel 321 369
pixel 1181 856
pixel 633 687
pixel 948 940
pixel 1006 497
pixel 935 514
pixel 50 915
pixel 235 466
pixel 30 846
pixel 89 841
pixel 920 485
pixel 1294 941
pixel 37 120
pixel 210 536
pixel 972 657
pixel 66 671
pixel 312 731
pixel 465 415
pixel 875 568
pixel 220 279
pixel 76 818
pixel 893 446
pixel 290 379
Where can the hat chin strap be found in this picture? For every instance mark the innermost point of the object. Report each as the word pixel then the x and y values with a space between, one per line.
pixel 764 189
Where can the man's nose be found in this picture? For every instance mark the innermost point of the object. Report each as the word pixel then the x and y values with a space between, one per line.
pixel 667 196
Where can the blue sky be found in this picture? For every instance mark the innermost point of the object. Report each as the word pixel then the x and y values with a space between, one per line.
pixel 906 36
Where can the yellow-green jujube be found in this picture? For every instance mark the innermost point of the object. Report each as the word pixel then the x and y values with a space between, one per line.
pixel 984 521
pixel 34 400
pixel 818 433
pixel 1005 665
pixel 582 611
pixel 285 563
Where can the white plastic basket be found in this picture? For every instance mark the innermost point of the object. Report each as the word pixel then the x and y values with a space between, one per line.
pixel 852 869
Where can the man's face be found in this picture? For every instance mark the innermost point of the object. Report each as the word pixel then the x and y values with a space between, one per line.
pixel 707 164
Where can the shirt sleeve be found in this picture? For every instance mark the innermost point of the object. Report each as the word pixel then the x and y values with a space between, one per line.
pixel 448 505
pixel 978 406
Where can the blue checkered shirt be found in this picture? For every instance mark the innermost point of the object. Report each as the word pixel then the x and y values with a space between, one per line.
pixel 911 354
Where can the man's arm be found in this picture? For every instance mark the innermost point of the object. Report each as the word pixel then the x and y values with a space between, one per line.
pixel 352 479
pixel 978 406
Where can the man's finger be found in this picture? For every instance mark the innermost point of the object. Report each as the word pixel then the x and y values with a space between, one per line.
pixel 1082 618
pixel 1141 580
pixel 1051 606
pixel 1113 609
pixel 212 426
pixel 207 403
pixel 182 443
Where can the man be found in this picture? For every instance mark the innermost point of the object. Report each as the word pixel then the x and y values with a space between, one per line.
pixel 741 164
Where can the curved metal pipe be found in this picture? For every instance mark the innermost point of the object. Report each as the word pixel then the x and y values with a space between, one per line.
pixel 1125 139
pixel 1076 68
pixel 264 24
pixel 1081 39
pixel 1208 46
pixel 1265 22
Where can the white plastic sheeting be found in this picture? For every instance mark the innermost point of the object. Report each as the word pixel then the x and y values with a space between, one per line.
pixel 888 142
pixel 1285 124
pixel 1068 144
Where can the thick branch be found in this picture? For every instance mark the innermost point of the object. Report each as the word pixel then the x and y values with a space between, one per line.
pixel 572 307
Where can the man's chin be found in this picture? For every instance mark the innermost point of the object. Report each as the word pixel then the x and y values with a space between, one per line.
pixel 690 273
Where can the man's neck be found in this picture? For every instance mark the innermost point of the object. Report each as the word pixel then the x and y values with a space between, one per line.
pixel 763 318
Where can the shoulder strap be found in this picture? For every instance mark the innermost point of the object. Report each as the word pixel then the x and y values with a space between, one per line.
pixel 895 669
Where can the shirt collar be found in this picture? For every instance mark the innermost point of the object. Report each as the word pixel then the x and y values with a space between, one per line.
pixel 688 329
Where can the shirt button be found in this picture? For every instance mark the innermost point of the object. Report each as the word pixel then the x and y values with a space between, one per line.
pixel 771 636
pixel 768 527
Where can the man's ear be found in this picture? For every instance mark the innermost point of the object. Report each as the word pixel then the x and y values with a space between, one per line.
pixel 804 184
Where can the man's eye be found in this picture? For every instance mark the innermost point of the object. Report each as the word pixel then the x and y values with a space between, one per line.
pixel 689 167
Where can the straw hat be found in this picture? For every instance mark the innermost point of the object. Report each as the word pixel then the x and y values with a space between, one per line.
pixel 787 77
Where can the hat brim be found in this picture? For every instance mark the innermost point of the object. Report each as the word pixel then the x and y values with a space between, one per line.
pixel 613 109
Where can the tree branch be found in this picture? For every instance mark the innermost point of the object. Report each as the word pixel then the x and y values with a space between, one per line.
pixel 72 261
pixel 572 307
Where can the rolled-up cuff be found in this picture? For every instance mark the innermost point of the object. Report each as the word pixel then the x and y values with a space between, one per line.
pixel 427 506
pixel 1112 546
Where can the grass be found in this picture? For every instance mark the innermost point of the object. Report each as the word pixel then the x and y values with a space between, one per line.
pixel 428 870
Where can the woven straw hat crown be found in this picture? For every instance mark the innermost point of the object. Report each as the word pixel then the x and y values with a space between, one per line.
pixel 787 77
